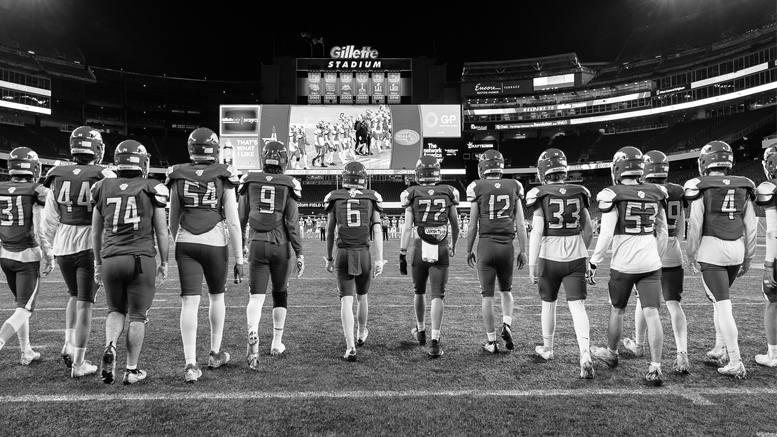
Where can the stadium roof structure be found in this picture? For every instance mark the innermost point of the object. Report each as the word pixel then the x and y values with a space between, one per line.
pixel 531 67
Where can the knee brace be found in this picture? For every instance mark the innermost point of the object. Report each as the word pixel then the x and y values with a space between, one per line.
pixel 279 299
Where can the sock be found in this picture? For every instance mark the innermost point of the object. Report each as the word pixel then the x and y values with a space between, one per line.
pixel 507 320
pixel 132 367
pixel 719 342
pixel 548 323
pixel 656 365
pixel 189 308
pixel 728 329
pixel 421 326
pixel 640 339
pixel 581 323
pixel 773 350
pixel 734 357
pixel 346 316
pixel 216 314
pixel 491 336
pixel 23 334
pixel 254 311
pixel 612 351
pixel 79 354
pixel 70 335
pixel 640 325
pixel 435 334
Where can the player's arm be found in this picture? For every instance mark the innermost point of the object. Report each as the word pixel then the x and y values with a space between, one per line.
pixel 243 208
pixel 162 240
pixel 751 233
pixel 229 202
pixel 49 223
pixel 472 229
pixel 175 210
pixel 376 230
pixel 453 218
pixel 97 244
pixel 404 241
pixel 662 233
pixel 607 231
pixel 695 222
pixel 520 228
pixel 535 242
pixel 771 246
pixel 292 226
pixel 586 228
pixel 331 224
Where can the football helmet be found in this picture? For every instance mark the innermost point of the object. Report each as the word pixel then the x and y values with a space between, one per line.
pixel 715 154
pixel 427 170
pixel 656 166
pixel 87 141
pixel 770 162
pixel 203 145
pixel 131 155
pixel 355 176
pixel 274 154
pixel 627 161
pixel 23 161
pixel 551 161
pixel 491 163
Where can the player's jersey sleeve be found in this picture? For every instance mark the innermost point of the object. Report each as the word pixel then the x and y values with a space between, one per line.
pixel 606 199
pixel 296 190
pixel 765 194
pixel 41 193
pixel 406 197
pixel 378 201
pixel 158 193
pixel 532 198
pixel 230 175
pixel 472 192
pixel 454 194
pixel 519 189
pixel 329 201
pixel 691 189
pixel 168 175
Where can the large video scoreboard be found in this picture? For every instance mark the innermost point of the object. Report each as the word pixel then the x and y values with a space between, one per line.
pixel 398 136
pixel 353 76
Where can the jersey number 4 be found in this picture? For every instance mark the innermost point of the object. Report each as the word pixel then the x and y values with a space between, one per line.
pixel 729 204
pixel 82 199
pixel 194 196
pixel 130 215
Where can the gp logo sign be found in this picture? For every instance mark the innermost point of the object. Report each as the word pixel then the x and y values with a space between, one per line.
pixel 406 137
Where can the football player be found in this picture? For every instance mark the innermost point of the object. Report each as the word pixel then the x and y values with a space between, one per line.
pixel 204 225
pixel 354 212
pixel 430 208
pixel 495 205
pixel 268 206
pixel 558 251
pixel 721 238
pixel 656 172
pixel 67 228
pixel 633 220
pixel 21 201
pixel 129 211
pixel 768 199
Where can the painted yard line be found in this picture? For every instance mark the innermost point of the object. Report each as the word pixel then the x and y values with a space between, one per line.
pixel 697 399
pixel 199 396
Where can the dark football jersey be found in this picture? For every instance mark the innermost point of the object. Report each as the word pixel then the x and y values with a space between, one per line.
pixel 561 205
pixel 71 186
pixel 200 189
pixel 430 203
pixel 675 203
pixel 353 210
pixel 496 200
pixel 268 194
pixel 637 206
pixel 127 207
pixel 17 232
pixel 724 200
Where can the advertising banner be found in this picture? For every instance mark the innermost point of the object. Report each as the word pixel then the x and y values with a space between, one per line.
pixel 330 87
pixel 441 121
pixel 407 141
pixel 378 87
pixel 239 120
pixel 346 87
pixel 362 87
pixel 314 87
pixel 394 87
pixel 507 88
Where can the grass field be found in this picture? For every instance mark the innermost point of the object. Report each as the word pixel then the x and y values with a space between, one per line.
pixel 394 388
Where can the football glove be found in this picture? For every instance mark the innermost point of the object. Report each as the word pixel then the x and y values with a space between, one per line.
pixel 590 274
pixel 300 265
pixel 693 264
pixel 403 263
pixel 520 260
pixel 377 269
pixel 238 271
pixel 471 259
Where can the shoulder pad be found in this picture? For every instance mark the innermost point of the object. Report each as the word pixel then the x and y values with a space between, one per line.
pixel 765 193
pixel 296 191
pixel 471 195
pixel 691 189
pixel 664 191
pixel 107 173
pixel 605 199
pixel 327 199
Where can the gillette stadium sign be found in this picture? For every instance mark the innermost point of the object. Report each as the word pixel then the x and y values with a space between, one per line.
pixel 350 57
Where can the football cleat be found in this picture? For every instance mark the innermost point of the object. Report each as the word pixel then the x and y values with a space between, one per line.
pixel 491 347
pixel 133 376
pixel 546 354
pixel 23 161
pixel 427 170
pixel 719 356
pixel 737 371
pixel 491 163
pixel 278 350
pixel 507 336
pixel 108 364
pixel 361 340
pixel 681 364
pixel 715 154
pixel 25 359
pixel 604 354
pixel 435 351
pixel 586 366
pixel 551 161
pixel 350 355
pixel 216 360
pixel 766 360
pixel 627 162
pixel 632 346
pixel 84 369
pixel 420 336
pixel 252 352
pixel 191 373
pixel 654 376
